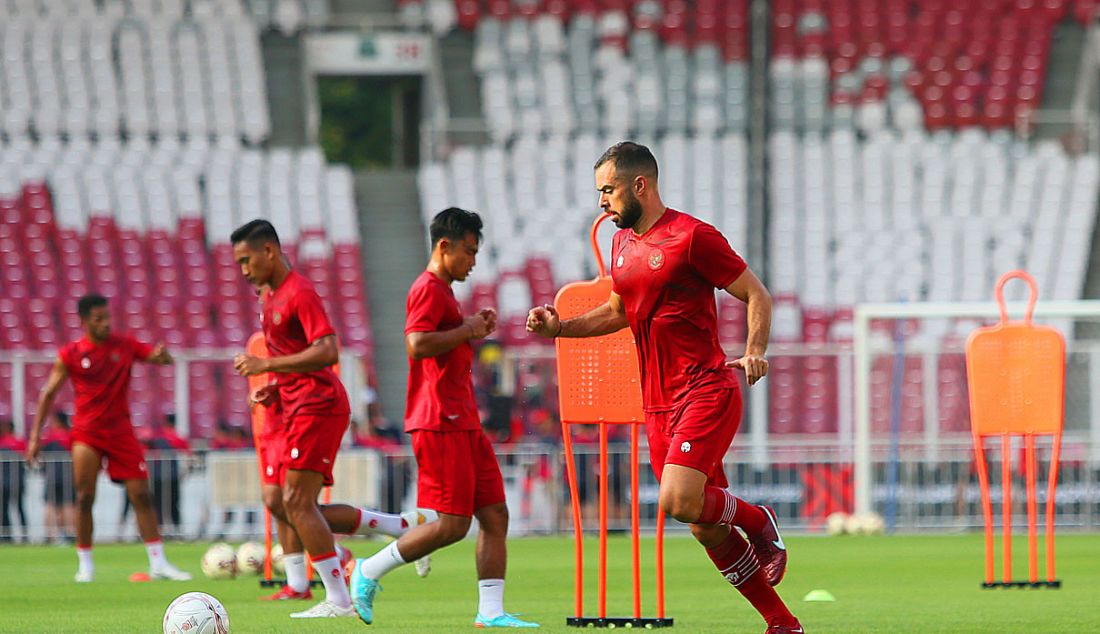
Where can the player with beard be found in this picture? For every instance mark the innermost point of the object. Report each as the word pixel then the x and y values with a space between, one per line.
pixel 665 267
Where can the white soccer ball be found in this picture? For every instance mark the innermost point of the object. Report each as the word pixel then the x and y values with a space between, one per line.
pixel 872 524
pixel 220 562
pixel 196 613
pixel 837 523
pixel 278 566
pixel 854 524
pixel 250 558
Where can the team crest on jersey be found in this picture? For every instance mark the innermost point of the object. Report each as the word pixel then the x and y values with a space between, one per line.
pixel 115 357
pixel 619 262
pixel 85 363
pixel 656 259
pixel 277 318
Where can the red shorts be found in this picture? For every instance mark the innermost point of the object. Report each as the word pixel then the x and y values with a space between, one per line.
pixel 271 458
pixel 124 455
pixel 457 471
pixel 310 443
pixel 696 433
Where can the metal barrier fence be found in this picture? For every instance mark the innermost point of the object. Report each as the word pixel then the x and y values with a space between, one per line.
pixel 216 495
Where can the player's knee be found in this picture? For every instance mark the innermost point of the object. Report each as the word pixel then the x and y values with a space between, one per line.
pixel 273 501
pixel 680 507
pixel 142 500
pixel 453 530
pixel 295 501
pixel 85 500
pixel 494 519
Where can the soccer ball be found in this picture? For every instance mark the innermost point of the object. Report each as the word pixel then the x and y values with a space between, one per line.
pixel 872 524
pixel 277 565
pixel 250 558
pixel 220 562
pixel 837 523
pixel 853 525
pixel 196 613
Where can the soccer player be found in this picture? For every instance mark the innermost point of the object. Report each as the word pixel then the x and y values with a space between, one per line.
pixel 665 267
pixel 341 518
pixel 99 364
pixel 311 413
pixel 458 472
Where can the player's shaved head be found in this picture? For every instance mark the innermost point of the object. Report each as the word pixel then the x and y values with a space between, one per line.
pixel 89 302
pixel 630 159
pixel 255 232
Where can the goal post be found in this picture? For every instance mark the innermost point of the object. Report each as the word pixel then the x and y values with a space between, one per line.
pixel 866 346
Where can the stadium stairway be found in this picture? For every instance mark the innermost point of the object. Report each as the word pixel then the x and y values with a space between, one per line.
pixel 463 94
pixel 394 246
pixel 1061 80
pixel 283 60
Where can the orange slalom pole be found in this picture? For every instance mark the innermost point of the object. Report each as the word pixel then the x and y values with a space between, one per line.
pixel 1052 487
pixel 634 522
pixel 1006 508
pixel 602 581
pixel 987 504
pixel 574 503
pixel 1032 529
pixel 267 545
pixel 660 555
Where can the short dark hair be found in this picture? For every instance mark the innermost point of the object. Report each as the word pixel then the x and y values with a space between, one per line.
pixel 454 223
pixel 85 304
pixel 254 231
pixel 630 159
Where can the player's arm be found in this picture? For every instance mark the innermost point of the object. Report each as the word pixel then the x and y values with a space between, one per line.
pixel 57 377
pixel 319 355
pixel 421 345
pixel 602 320
pixel 749 289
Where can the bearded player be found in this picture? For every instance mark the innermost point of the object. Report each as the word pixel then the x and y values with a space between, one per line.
pixel 665 267
pixel 99 365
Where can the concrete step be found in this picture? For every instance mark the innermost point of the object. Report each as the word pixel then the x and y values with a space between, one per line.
pixel 283 61
pixel 394 253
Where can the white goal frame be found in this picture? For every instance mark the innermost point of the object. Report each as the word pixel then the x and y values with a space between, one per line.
pixel 864 313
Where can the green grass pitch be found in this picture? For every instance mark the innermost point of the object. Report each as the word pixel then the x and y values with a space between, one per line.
pixel 923 584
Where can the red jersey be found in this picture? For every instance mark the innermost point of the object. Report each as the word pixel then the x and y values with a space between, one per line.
pixel 666 278
pixel 101 378
pixel 440 396
pixel 293 318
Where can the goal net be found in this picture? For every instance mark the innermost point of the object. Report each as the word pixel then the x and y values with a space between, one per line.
pixel 912 449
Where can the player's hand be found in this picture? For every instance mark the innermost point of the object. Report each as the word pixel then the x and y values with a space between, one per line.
pixel 491 315
pixel 160 354
pixel 265 395
pixel 544 321
pixel 248 365
pixel 480 325
pixel 33 446
pixel 754 365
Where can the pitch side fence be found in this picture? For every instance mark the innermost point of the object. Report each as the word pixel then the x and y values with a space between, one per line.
pixel 215 495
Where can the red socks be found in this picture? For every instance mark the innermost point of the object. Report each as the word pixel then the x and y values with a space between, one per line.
pixel 737 562
pixel 721 507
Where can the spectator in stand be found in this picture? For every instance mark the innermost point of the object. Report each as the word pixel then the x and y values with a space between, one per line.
pixel 12 480
pixel 387 441
pixel 60 494
pixel 166 446
pixel 229 437
pixel 371 436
